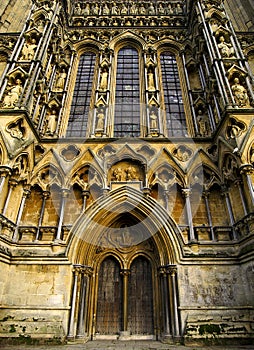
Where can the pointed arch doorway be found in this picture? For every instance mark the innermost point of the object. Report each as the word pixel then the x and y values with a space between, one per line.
pixel 124 279
pixel 125 303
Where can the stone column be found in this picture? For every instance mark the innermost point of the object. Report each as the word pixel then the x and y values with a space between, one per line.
pixel 12 184
pixel 173 301
pixel 84 285
pixel 71 332
pixel 125 273
pixel 45 195
pixel 4 172
pixel 247 170
pixel 209 216
pixel 26 193
pixel 165 302
pixel 186 192
pixel 86 194
pixel 238 184
pixel 230 210
pixel 65 193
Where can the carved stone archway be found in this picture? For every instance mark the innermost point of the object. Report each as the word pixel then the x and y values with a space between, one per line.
pixel 133 233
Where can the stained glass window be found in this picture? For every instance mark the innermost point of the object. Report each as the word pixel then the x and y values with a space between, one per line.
pixel 175 116
pixel 127 99
pixel 80 106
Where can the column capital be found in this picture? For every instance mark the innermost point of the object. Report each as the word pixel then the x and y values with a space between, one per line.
pixel 5 170
pixel 125 272
pixel 86 193
pixel 246 169
pixel 168 270
pixel 65 192
pixel 46 194
pixel 186 192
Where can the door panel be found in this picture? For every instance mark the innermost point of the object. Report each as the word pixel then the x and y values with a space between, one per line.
pixel 140 316
pixel 109 305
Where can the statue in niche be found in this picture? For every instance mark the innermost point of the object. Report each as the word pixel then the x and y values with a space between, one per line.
pixel 100 120
pixel 28 50
pixel 95 9
pixel 124 9
pixel 203 125
pixel 178 9
pixel 126 236
pixel 131 173
pixel 214 24
pixel 13 94
pixel 87 10
pixel 78 9
pixel 114 9
pixel 105 10
pixel 133 9
pixel 150 79
pixel 240 94
pixel 151 9
pixel 226 49
pixel 142 9
pixel 41 25
pixel 52 123
pixel 169 10
pixel 60 82
pixel 118 174
pixel 153 120
pixel 161 10
pixel 104 79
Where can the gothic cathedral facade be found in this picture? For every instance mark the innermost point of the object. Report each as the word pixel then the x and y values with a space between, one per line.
pixel 127 170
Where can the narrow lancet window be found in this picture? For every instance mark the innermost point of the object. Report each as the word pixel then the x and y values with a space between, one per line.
pixel 80 106
pixel 127 99
pixel 175 116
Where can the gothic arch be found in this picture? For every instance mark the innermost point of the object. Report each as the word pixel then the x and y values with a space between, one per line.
pixel 86 234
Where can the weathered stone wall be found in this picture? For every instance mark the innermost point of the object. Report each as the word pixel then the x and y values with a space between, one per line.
pixel 216 302
pixel 13 15
pixel 35 301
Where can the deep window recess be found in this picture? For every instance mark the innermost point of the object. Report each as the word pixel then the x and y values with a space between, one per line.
pixel 175 116
pixel 80 106
pixel 127 100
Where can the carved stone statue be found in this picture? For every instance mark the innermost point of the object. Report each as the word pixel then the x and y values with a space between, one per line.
pixel 124 9
pixel 13 94
pixel 114 9
pixel 226 49
pixel 161 10
pixel 240 94
pixel 100 120
pixel 142 10
pixel 203 125
pixel 52 123
pixel 60 82
pixel 78 9
pixel 150 80
pixel 118 174
pixel 87 10
pixel 153 120
pixel 28 50
pixel 131 173
pixel 105 10
pixel 133 9
pixel 104 79
pixel 151 9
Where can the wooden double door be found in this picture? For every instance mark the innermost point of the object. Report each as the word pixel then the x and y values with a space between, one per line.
pixel 125 298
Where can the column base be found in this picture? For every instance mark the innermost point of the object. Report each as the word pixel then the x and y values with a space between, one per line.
pixel 125 335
